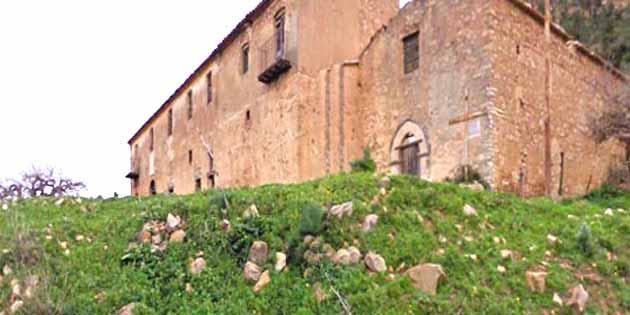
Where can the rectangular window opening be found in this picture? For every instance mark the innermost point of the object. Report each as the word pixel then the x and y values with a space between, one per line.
pixel 198 184
pixel 151 140
pixel 190 104
pixel 209 87
pixel 245 57
pixel 411 52
pixel 170 122
pixel 190 156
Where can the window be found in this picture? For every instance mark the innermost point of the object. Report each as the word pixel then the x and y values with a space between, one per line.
pixel 151 140
pixel 279 26
pixel 409 151
pixel 245 58
pixel 209 87
pixel 170 122
pixel 190 104
pixel 171 189
pixel 411 51
pixel 198 184
pixel 248 116
pixel 190 156
pixel 152 189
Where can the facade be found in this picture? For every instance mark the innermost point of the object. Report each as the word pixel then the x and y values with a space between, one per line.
pixel 299 88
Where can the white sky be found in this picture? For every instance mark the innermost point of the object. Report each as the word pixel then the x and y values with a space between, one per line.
pixel 78 78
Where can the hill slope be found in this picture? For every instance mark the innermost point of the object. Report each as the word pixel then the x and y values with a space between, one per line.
pixel 81 253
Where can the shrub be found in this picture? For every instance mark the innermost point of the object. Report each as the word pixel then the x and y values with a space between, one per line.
pixel 365 164
pixel 312 219
pixel 584 240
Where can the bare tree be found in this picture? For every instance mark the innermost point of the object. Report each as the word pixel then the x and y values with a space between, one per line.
pixel 39 183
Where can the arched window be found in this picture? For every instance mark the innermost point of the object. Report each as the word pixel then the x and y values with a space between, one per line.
pixel 152 189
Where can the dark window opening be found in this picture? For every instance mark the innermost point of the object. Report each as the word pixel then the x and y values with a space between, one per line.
pixel 190 157
pixel 170 122
pixel 409 155
pixel 211 181
pixel 411 52
pixel 198 184
pixel 561 188
pixel 245 57
pixel 248 115
pixel 190 104
pixel 209 87
pixel 151 140
pixel 171 189
pixel 280 40
pixel 518 49
pixel 152 189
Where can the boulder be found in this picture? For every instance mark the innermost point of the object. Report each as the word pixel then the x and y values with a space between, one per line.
pixel 156 239
pixel 172 222
pixel 251 212
pixel 251 272
pixel 578 298
pixel 178 236
pixel 342 257
pixel 342 210
pixel 127 309
pixel 264 280
pixel 426 277
pixel 369 223
pixel 375 263
pixel 226 226
pixel 144 237
pixel 536 280
pixel 258 253
pixel 469 211
pixel 355 255
pixel 281 261
pixel 197 266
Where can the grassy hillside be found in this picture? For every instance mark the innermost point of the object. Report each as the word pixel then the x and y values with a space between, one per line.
pixel 82 256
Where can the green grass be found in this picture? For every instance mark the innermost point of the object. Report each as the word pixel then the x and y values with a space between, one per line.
pixel 414 216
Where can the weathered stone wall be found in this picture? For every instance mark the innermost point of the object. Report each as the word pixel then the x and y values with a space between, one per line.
pixel 448 92
pixel 517 51
pixel 276 144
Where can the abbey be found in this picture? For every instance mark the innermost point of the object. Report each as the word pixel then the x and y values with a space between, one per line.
pixel 300 87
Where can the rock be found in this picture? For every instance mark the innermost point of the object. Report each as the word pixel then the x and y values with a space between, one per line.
pixel 501 269
pixel 251 212
pixel 226 226
pixel 172 222
pixel 281 261
pixel 507 254
pixel 308 239
pixel 342 210
pixel 355 255
pixel 329 251
pixel 189 288
pixel 312 258
pixel 578 298
pixel 197 266
pixel 557 299
pixel 320 294
pixel 375 263
pixel 552 240
pixel 475 186
pixel 156 239
pixel 127 309
pixel 536 280
pixel 315 244
pixel 144 237
pixel 79 238
pixel 16 306
pixel 258 253
pixel 7 270
pixel 426 277
pixel 369 223
pixel 384 182
pixel 31 284
pixel 264 280
pixel 342 257
pixel 59 202
pixel 609 212
pixel 16 288
pixel 251 272
pixel 469 211
pixel 5 206
pixel 178 236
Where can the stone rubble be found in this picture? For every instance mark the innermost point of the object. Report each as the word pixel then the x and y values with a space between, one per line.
pixel 342 210
pixel 375 263
pixel 426 277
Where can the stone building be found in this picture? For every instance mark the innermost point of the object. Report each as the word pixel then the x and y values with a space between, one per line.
pixel 299 88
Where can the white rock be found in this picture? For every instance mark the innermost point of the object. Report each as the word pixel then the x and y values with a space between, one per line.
pixel 342 257
pixel 557 299
pixel 355 255
pixel 7 270
pixel 281 261
pixel 79 238
pixel 609 212
pixel 578 298
pixel 501 269
pixel 426 277
pixel 259 253
pixel 264 280
pixel 375 263
pixel 552 240
pixel 16 306
pixel 369 223
pixel 127 309
pixel 507 254
pixel 178 236
pixel 536 280
pixel 197 266
pixel 5 206
pixel 470 211
pixel 251 272
pixel 59 202
pixel 172 222
pixel 251 212
pixel 342 210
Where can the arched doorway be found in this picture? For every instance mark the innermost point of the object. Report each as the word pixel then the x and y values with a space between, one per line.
pixel 152 189
pixel 410 151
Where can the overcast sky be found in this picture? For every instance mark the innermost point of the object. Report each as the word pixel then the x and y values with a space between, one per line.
pixel 78 78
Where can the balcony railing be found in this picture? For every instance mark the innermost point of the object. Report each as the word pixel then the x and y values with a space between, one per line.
pixel 273 58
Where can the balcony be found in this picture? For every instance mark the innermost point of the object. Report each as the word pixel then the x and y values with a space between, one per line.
pixel 273 58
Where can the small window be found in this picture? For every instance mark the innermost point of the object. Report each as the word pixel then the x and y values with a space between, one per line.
pixel 245 58
pixel 152 189
pixel 151 140
pixel 171 189
pixel 198 184
pixel 248 116
pixel 209 87
pixel 190 104
pixel 170 122
pixel 411 52
pixel 190 157
pixel 280 36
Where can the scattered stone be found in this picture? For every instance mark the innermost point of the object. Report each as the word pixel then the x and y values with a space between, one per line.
pixel 251 212
pixel 226 226
pixel 197 266
pixel 507 254
pixel 473 257
pixel 578 298
pixel 572 217
pixel 251 272
pixel 308 239
pixel 469 239
pixel 189 288
pixel 370 223
pixel 320 294
pixel 63 245
pixel 79 238
pixel 552 240
pixel 426 277
pixel 375 263
pixel 258 253
pixel 144 237
pixel 281 261
pixel 172 222
pixel 383 191
pixel 440 252
pixel 315 244
pixel 536 280
pixel 609 212
pixel 557 299
pixel 621 210
pixel 501 269
pixel 5 206
pixel 355 255
pixel 59 202
pixel 384 182
pixel 329 251
pixel 469 211
pixel 16 306
pixel 264 280
pixel 342 210
pixel 31 284
pixel 156 239
pixel 16 288
pixel 178 236
pixel 7 270
pixel 312 258
pixel 342 257
pixel 127 309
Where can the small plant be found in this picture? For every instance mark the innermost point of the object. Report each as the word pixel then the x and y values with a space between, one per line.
pixel 584 240
pixel 312 219
pixel 365 164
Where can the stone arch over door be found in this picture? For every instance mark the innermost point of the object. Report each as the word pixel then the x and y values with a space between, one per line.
pixel 410 130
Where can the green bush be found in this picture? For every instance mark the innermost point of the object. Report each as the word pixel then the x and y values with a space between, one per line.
pixel 584 240
pixel 365 164
pixel 312 219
